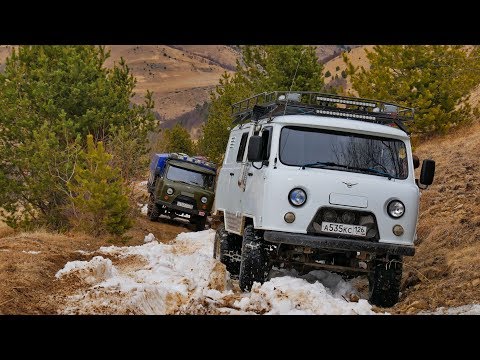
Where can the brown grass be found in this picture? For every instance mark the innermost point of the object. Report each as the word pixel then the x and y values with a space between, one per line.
pixel 357 56
pixel 27 280
pixel 446 268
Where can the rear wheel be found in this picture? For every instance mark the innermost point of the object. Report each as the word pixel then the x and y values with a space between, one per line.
pixel 153 212
pixel 384 281
pixel 254 266
pixel 227 249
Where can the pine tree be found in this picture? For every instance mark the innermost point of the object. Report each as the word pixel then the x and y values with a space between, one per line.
pixel 51 97
pixel 98 193
pixel 263 68
pixel 177 139
pixel 435 80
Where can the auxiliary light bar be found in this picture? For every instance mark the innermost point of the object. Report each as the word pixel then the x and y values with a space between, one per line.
pixel 348 102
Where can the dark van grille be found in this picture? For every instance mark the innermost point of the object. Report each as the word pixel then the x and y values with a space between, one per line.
pixel 344 216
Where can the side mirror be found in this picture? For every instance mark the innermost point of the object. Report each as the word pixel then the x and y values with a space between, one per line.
pixel 255 150
pixel 427 173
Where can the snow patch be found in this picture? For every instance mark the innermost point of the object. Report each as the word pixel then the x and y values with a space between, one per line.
pixel 182 277
pixel 31 252
pixel 83 252
pixel 149 238
pixel 94 271
pixel 472 309
pixel 296 296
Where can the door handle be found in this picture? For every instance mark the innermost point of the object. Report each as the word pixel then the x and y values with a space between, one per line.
pixel 250 174
pixel 231 174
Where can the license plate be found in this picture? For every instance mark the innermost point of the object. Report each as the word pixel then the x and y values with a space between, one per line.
pixel 346 229
pixel 185 205
pixel 201 213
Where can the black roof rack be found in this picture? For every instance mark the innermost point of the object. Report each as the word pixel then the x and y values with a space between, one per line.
pixel 315 103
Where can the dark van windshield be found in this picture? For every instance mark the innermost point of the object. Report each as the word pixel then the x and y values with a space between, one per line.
pixel 176 173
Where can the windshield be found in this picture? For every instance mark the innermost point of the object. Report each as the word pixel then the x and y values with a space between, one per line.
pixel 190 177
pixel 306 147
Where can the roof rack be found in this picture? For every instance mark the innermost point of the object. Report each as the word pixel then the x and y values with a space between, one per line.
pixel 315 103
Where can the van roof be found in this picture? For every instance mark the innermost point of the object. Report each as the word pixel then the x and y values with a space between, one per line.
pixel 192 166
pixel 339 124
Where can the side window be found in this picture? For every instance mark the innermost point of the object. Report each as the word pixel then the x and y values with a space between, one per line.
pixel 241 149
pixel 266 142
pixel 232 148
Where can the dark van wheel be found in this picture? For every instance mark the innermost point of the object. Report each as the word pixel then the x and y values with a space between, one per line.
pixel 199 222
pixel 254 265
pixel 384 281
pixel 153 212
pixel 227 248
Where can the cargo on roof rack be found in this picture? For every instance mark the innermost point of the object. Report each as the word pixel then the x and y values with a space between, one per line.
pixel 316 103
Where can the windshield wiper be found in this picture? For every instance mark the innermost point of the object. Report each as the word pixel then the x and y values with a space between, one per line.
pixel 183 182
pixel 325 164
pixel 375 171
pixel 321 164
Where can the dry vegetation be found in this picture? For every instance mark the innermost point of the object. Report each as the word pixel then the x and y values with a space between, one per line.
pixel 178 78
pixel 445 270
pixel 29 262
pixel 357 56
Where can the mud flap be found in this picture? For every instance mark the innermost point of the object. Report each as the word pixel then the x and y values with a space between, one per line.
pixel 234 223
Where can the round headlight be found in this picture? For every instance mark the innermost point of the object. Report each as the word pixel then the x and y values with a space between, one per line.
pixel 204 199
pixel 297 197
pixel 169 191
pixel 396 209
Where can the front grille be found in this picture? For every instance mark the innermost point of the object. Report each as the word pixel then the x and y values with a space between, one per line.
pixel 186 199
pixel 344 216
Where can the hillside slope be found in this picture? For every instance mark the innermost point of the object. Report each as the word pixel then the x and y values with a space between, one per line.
pixel 357 56
pixel 445 270
pixel 180 76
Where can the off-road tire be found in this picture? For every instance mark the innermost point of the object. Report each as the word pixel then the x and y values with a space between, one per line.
pixel 227 249
pixel 199 222
pixel 254 265
pixel 153 212
pixel 384 281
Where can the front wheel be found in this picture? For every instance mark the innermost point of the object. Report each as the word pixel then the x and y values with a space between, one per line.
pixel 254 265
pixel 153 212
pixel 199 222
pixel 384 281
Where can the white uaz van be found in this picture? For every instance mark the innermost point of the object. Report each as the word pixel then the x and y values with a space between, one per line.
pixel 312 180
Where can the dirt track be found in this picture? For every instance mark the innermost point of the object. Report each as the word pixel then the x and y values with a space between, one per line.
pixel 29 261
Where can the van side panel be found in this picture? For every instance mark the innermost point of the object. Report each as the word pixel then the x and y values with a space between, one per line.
pixel 228 194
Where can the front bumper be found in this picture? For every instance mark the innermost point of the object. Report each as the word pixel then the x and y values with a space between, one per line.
pixel 182 209
pixel 324 242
